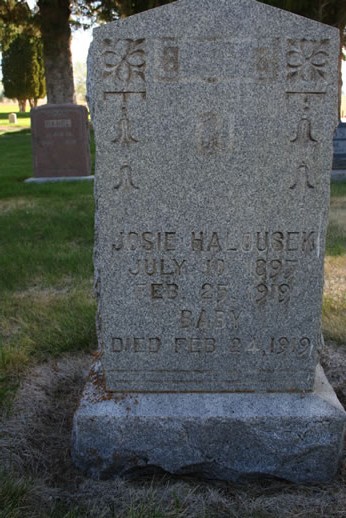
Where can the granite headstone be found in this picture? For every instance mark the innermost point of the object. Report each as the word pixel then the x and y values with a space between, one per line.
pixel 213 124
pixel 60 141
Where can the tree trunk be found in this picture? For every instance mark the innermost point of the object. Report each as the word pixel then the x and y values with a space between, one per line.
pixel 33 102
pixel 22 105
pixel 56 37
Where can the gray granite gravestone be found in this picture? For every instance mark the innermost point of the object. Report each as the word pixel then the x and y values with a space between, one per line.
pixel 60 142
pixel 209 251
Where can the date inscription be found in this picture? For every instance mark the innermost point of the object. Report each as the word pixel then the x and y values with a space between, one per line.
pixel 164 266
pixel 280 346
pixel 277 292
pixel 276 278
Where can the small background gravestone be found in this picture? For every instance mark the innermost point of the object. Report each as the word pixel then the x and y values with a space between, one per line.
pixel 60 141
pixel 213 123
pixel 12 118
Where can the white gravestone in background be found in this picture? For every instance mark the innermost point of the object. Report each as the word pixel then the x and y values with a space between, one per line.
pixel 213 124
pixel 12 118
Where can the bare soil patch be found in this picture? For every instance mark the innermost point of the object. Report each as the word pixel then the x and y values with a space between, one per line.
pixel 35 444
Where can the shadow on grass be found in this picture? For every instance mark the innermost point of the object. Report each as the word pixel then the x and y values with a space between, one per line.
pixel 13 132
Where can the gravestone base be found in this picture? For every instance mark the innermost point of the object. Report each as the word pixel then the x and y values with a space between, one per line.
pixel 227 436
pixel 55 179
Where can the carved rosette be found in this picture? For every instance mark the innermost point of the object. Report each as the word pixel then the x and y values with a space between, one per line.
pixel 307 59
pixel 125 61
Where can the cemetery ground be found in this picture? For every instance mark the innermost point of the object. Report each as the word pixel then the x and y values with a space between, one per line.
pixel 23 119
pixel 48 338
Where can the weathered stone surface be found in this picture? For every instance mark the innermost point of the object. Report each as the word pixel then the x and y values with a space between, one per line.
pixel 236 437
pixel 214 125
pixel 60 141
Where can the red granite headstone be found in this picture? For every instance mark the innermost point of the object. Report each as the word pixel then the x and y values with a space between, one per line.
pixel 60 141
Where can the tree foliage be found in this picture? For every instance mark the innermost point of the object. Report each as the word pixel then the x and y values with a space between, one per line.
pixel 124 8
pixel 54 22
pixel 23 70
pixel 15 18
pixel 330 12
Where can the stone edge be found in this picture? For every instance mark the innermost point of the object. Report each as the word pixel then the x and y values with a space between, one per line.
pixel 55 179
pixel 120 434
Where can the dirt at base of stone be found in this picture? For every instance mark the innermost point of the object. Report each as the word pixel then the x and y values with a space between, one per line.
pixel 35 444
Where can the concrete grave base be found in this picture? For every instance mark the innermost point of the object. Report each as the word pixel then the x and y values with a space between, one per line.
pixel 54 179
pixel 229 436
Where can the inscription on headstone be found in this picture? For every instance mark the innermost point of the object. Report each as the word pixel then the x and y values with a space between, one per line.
pixel 60 138
pixel 212 205
pixel 213 124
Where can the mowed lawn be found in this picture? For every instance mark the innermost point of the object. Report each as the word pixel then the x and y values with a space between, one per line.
pixel 46 238
pixel 334 302
pixel 23 119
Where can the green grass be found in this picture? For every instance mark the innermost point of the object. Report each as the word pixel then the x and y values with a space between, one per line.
pixel 46 239
pixel 14 495
pixel 336 237
pixel 23 119
pixel 334 302
pixel 338 189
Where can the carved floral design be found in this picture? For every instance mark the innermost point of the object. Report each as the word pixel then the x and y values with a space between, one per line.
pixel 125 60
pixel 307 59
